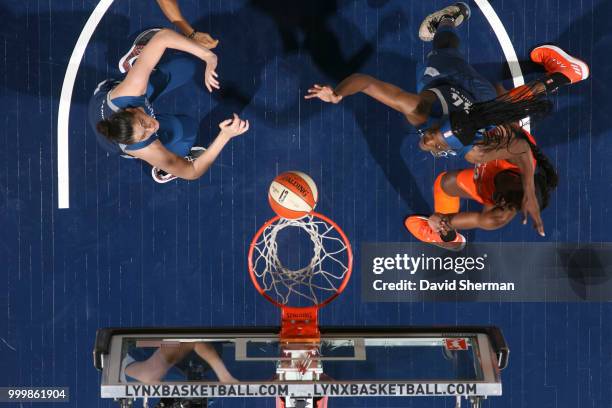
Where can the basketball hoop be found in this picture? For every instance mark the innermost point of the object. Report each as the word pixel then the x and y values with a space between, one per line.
pixel 301 291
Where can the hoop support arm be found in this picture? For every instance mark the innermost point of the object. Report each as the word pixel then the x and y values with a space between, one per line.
pixel 300 324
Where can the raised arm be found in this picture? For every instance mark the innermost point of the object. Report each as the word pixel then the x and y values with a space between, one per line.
pixel 135 82
pixel 171 10
pixel 158 156
pixel 411 105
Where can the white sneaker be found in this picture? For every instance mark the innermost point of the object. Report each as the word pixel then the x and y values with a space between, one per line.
pixel 161 176
pixel 459 12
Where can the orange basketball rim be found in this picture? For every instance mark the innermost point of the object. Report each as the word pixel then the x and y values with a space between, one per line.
pixel 301 293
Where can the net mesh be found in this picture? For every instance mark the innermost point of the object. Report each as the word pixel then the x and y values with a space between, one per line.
pixel 319 279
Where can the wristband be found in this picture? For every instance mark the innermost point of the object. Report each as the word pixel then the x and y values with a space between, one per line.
pixel 193 33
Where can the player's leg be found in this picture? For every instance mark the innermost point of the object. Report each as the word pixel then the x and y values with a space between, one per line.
pixel 210 355
pixel 449 187
pixel 529 100
pixel 455 15
pixel 155 367
pixel 561 68
pixel 445 62
pixel 442 61
pixel 446 201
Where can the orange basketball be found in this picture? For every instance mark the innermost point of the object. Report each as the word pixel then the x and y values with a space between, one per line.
pixel 293 195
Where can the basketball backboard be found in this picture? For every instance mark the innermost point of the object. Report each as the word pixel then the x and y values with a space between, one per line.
pixel 459 362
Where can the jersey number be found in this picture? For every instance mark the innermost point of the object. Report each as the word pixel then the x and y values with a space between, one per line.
pixel 458 101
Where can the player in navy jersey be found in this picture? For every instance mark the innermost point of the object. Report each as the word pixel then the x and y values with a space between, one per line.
pixel 126 122
pixel 456 110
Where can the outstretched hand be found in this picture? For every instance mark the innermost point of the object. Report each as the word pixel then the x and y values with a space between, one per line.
pixel 324 93
pixel 210 73
pixel 233 127
pixel 531 208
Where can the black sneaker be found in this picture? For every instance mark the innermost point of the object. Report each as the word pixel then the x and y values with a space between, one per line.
pixel 126 62
pixel 458 12
pixel 162 177
pixel 195 152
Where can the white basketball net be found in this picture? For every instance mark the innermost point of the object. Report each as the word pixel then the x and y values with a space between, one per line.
pixel 316 281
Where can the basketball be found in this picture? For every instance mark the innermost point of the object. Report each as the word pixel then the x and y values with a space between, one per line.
pixel 293 195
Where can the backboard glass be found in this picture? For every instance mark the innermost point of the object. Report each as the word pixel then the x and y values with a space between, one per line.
pixel 346 362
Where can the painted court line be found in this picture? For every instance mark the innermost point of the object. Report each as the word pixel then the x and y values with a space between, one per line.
pixel 63 117
pixel 506 45
pixel 63 114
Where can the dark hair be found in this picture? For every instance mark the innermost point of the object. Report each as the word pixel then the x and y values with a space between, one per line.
pixel 511 107
pixel 118 127
pixel 512 199
pixel 499 137
pixel 545 178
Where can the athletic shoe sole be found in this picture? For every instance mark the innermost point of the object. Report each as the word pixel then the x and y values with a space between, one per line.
pixel 140 41
pixel 584 68
pixel 424 32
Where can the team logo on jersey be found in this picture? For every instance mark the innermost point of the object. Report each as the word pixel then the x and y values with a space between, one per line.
pixel 459 100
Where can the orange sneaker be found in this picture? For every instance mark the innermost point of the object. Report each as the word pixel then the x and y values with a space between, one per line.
pixel 554 59
pixel 419 227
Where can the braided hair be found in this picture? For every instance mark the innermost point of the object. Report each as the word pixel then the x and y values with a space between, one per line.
pixel 545 175
pixel 511 107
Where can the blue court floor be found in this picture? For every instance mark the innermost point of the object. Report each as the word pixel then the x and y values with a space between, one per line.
pixel 130 252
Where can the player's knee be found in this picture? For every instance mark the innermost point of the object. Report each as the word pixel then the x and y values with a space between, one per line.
pixel 448 181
